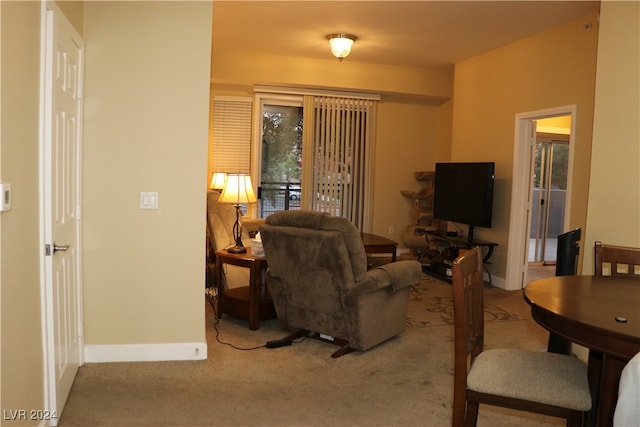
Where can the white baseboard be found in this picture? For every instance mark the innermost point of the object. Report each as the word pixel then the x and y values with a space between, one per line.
pixel 96 353
pixel 496 281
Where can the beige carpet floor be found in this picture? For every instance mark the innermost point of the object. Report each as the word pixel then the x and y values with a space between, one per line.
pixel 406 381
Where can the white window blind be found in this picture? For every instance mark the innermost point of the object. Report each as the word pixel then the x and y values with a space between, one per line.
pixel 230 134
pixel 343 140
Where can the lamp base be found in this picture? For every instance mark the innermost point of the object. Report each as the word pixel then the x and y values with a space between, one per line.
pixel 237 249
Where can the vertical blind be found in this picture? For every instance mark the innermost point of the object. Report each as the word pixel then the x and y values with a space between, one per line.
pixel 230 134
pixel 342 157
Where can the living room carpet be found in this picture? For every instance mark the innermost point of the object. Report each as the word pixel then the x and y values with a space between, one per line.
pixel 431 304
pixel 406 381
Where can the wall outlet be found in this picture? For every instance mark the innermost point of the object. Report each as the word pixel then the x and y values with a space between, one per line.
pixel 392 230
pixel 5 194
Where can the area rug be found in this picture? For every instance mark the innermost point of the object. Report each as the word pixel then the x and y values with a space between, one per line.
pixel 431 304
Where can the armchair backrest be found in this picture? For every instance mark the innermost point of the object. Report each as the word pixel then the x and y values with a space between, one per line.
pixel 334 239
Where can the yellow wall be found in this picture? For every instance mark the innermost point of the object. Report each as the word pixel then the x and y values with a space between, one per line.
pixel 245 68
pixel 560 125
pixel 406 141
pixel 145 129
pixel 22 355
pixel 614 191
pixel 552 69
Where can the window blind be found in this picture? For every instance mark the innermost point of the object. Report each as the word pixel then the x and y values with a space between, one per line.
pixel 342 158
pixel 230 134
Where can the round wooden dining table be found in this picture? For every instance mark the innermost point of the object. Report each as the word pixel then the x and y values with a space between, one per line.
pixel 600 313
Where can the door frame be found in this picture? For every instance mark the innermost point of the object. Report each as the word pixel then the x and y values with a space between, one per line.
pixel 51 397
pixel 520 217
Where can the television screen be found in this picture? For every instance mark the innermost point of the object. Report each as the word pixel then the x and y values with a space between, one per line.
pixel 464 193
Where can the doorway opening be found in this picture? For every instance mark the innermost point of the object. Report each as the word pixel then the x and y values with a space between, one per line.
pixel 548 189
pixel 542 170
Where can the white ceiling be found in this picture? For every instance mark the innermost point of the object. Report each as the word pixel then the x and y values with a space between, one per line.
pixel 401 33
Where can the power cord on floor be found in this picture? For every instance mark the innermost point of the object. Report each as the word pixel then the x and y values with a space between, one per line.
pixel 211 298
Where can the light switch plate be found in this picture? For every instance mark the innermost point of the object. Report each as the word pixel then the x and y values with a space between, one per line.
pixel 148 200
pixel 5 193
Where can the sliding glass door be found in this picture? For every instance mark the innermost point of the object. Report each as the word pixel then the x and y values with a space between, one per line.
pixel 314 152
pixel 281 156
pixel 548 196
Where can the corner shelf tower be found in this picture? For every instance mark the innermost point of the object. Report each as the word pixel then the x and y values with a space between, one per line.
pixel 421 214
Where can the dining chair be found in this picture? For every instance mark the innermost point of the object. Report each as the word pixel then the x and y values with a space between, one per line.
pixel 532 381
pixel 611 260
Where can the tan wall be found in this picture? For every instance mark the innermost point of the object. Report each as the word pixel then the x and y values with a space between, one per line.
pixel 614 191
pixel 244 68
pixel 406 141
pixel 146 120
pixel 414 121
pixel 22 356
pixel 552 69
pixel 73 11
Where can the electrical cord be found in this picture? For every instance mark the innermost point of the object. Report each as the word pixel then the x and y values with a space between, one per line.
pixel 212 301
pixel 211 298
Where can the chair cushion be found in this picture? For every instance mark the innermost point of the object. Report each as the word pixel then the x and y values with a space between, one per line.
pixel 542 377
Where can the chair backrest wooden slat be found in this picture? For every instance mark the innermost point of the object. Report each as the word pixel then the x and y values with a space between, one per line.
pixel 468 303
pixel 611 260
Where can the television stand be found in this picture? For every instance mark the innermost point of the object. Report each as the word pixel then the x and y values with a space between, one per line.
pixel 443 249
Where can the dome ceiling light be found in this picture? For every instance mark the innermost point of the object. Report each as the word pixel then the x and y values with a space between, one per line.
pixel 341 44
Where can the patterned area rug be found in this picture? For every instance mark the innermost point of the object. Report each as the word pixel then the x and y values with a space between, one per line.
pixel 431 304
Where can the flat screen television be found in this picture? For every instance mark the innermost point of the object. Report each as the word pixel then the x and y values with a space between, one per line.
pixel 464 194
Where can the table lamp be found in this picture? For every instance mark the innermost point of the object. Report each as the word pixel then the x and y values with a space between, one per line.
pixel 237 190
pixel 217 181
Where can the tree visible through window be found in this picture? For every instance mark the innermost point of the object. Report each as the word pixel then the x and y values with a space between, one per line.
pixel 281 168
pixel 282 144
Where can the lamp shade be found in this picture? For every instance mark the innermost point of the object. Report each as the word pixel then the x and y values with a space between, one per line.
pixel 217 180
pixel 238 189
pixel 341 44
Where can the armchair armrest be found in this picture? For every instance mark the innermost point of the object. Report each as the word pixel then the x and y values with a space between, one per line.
pixel 398 275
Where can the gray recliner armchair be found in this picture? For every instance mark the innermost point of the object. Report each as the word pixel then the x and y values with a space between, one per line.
pixel 320 285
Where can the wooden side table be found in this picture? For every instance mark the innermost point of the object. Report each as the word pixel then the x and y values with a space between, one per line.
pixel 250 302
pixel 374 244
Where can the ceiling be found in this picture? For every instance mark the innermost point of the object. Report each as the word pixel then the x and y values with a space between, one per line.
pixel 401 33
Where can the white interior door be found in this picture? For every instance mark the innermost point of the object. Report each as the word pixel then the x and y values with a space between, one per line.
pixel 62 113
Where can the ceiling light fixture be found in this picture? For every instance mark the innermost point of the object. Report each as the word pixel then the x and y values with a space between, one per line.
pixel 341 44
